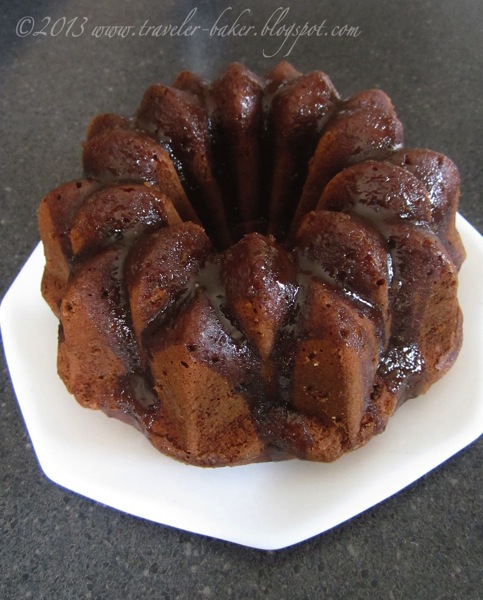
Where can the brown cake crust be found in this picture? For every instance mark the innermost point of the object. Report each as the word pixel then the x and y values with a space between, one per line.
pixel 254 269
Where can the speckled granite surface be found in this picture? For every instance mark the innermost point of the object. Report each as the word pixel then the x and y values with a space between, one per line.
pixel 426 542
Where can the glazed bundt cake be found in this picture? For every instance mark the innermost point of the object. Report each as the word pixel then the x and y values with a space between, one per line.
pixel 254 269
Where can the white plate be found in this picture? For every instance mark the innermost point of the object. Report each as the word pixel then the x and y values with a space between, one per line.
pixel 267 506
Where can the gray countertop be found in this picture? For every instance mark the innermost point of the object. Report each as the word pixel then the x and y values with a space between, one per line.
pixel 425 542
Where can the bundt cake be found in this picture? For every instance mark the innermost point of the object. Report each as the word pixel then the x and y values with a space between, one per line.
pixel 254 269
